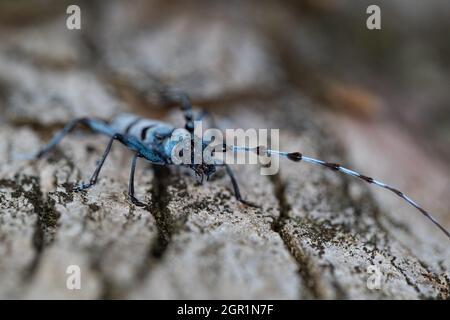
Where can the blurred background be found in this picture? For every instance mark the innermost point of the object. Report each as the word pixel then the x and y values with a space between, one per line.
pixel 383 92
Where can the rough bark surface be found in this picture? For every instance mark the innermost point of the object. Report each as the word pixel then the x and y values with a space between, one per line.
pixel 314 236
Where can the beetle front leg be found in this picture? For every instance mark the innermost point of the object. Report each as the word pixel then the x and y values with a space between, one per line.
pixel 94 177
pixel 131 183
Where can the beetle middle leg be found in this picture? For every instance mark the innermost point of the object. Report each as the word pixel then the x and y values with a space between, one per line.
pixel 237 192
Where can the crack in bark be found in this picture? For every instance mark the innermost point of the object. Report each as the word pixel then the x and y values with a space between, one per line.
pixel 46 221
pixel 158 208
pixel 45 229
pixel 160 200
pixel 107 291
pixel 304 269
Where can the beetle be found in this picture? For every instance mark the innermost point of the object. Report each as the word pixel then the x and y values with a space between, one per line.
pixel 152 140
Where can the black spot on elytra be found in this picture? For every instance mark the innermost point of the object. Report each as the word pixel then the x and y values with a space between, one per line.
pixel 134 122
pixel 144 131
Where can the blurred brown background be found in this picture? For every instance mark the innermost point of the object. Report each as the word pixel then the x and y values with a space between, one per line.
pixel 399 74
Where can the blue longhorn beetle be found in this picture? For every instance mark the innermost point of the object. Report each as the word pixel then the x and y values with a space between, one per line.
pixel 151 139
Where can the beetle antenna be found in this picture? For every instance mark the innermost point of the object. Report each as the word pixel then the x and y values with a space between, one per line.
pixel 297 157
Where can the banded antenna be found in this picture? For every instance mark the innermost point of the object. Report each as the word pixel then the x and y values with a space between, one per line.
pixel 297 157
